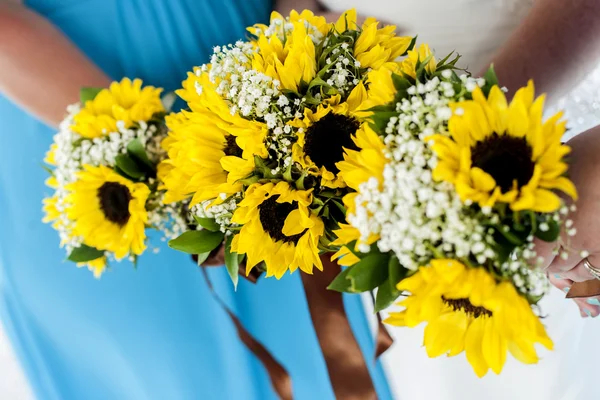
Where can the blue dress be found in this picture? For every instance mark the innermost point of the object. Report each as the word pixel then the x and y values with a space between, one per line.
pixel 154 332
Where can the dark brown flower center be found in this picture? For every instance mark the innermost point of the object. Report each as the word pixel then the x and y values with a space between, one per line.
pixel 231 147
pixel 505 158
pixel 272 217
pixel 326 139
pixel 466 306
pixel 114 202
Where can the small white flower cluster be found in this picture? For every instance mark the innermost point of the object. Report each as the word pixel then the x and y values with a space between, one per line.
pixel 221 213
pixel 254 95
pixel 165 218
pixel 531 282
pixel 344 75
pixel 73 151
pixel 249 92
pixel 419 219
pixel 283 29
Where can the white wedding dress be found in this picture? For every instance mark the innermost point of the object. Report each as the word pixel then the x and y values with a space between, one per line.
pixel 476 29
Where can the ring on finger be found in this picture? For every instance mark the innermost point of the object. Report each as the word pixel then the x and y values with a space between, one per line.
pixel 595 272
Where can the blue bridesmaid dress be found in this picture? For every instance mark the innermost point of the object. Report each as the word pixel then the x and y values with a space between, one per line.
pixel 153 332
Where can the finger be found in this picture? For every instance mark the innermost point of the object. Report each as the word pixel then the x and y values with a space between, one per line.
pixel 560 282
pixel 589 308
pixel 580 273
pixel 564 261
pixel 545 253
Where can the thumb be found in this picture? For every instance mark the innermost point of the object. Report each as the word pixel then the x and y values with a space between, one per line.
pixel 545 253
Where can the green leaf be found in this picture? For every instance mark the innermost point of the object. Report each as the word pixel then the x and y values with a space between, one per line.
pixel 232 262
pixel 511 236
pixel 352 247
pixel 410 46
pixel 202 257
pixel 339 205
pixel 84 254
pixel 369 273
pixel 503 247
pixel 381 120
pixel 263 168
pixel 197 242
pixel 137 151
pixel 551 234
pixel 444 60
pixel 341 283
pixel 128 165
pixel 491 79
pixel 120 172
pixel 400 82
pixel 88 94
pixel 420 70
pixel 490 76
pixel 48 169
pixel 208 223
pixel 385 296
pixel 252 179
pixel 503 251
pixel 287 175
pixel 396 272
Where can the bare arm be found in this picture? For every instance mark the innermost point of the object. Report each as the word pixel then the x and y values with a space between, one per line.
pixel 42 70
pixel 556 45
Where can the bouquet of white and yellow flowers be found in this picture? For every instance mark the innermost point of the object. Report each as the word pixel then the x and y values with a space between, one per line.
pixel 267 121
pixel 427 183
pixel 103 166
pixel 452 184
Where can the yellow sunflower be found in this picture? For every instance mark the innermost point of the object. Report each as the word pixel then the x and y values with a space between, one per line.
pixel 360 165
pixel 375 46
pixel 97 266
pixel 326 133
pixel 381 88
pixel 123 101
pixel 51 211
pixel 209 148
pixel 465 309
pixel 316 24
pixel 498 152
pixel 108 211
pixel 409 64
pixel 291 62
pixel 278 228
pixel 50 159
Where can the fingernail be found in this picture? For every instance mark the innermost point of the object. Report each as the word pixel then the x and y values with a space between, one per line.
pixel 566 289
pixel 587 312
pixel 557 276
pixel 594 302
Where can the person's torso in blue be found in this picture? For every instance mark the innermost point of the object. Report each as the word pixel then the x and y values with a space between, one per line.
pixel 153 332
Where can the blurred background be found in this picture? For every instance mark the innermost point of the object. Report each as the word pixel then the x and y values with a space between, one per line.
pixel 13 385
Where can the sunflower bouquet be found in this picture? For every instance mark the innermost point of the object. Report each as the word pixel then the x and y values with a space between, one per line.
pixel 452 184
pixel 267 121
pixel 103 172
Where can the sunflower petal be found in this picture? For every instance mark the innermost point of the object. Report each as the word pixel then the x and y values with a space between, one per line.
pixel 473 347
